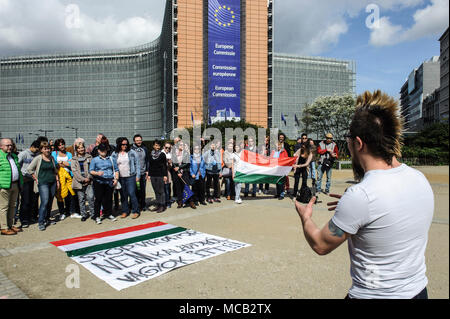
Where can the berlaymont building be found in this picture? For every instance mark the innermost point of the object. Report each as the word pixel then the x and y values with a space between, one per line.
pixel 213 61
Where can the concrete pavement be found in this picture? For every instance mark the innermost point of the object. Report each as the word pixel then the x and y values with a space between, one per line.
pixel 279 264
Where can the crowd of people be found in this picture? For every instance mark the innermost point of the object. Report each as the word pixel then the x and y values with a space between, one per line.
pixel 385 216
pixel 88 180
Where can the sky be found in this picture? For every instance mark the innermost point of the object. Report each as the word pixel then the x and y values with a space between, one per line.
pixel 387 39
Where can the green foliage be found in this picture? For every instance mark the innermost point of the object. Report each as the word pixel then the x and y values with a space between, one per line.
pixel 330 114
pixel 435 135
pixel 429 147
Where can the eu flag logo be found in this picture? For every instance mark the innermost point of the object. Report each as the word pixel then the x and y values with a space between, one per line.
pixel 187 193
pixel 224 16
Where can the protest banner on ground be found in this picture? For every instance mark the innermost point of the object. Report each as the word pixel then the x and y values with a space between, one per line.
pixel 128 256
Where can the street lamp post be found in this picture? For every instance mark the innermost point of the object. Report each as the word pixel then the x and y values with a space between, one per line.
pixel 74 128
pixel 45 132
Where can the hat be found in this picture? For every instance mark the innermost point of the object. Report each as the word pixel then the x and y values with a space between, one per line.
pixel 329 135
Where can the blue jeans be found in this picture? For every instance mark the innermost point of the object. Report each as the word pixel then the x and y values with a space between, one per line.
pixel 229 184
pixel 280 190
pixel 167 193
pixel 46 192
pixel 319 179
pixel 247 189
pixel 312 170
pixel 128 190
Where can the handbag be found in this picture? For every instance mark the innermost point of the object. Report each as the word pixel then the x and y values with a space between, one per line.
pixel 327 164
pixel 226 172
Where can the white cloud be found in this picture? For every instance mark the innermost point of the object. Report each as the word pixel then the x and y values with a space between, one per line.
pixel 386 33
pixel 430 21
pixel 313 27
pixel 44 26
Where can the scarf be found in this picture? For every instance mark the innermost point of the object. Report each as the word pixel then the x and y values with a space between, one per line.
pixel 156 154
pixel 197 157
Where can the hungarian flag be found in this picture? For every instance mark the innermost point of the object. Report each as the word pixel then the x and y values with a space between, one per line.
pixel 129 256
pixel 254 168
pixel 115 238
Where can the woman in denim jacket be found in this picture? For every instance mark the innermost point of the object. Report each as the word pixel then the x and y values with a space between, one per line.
pixel 129 174
pixel 198 174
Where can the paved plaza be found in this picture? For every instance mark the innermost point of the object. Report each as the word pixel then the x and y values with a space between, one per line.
pixel 279 264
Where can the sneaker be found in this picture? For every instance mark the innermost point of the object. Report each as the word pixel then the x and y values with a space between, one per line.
pixel 41 227
pixel 112 218
pixel 98 220
pixel 62 217
pixel 260 192
pixel 238 201
pixel 216 200
pixel 25 225
pixel 203 203
pixel 84 218
pixel 75 215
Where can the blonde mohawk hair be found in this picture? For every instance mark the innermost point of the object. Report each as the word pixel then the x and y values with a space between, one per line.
pixel 383 121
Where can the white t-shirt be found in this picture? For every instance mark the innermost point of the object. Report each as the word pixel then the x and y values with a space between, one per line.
pixel 64 158
pixel 123 163
pixel 388 215
pixel 14 169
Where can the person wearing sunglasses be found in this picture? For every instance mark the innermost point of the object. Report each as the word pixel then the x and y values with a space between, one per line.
pixel 129 174
pixel 386 216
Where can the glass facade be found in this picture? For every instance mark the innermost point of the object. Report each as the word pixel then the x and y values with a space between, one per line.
pixel 299 80
pixel 117 93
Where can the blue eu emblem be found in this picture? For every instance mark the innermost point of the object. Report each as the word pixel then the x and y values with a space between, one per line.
pixel 187 193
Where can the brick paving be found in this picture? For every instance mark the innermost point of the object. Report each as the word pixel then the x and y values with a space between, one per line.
pixel 8 290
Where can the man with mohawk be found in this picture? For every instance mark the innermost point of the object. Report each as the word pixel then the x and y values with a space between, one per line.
pixel 386 216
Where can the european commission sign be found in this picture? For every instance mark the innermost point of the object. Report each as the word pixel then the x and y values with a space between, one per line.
pixel 224 56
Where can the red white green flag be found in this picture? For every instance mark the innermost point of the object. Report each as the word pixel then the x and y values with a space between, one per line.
pixel 256 168
pixel 128 256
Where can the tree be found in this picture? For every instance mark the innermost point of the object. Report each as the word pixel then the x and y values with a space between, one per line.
pixel 330 114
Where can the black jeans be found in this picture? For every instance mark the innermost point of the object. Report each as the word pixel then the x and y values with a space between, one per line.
pixel 158 188
pixel 29 202
pixel 199 189
pixel 69 205
pixel 421 295
pixel 140 193
pixel 214 178
pixel 103 197
pixel 303 173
